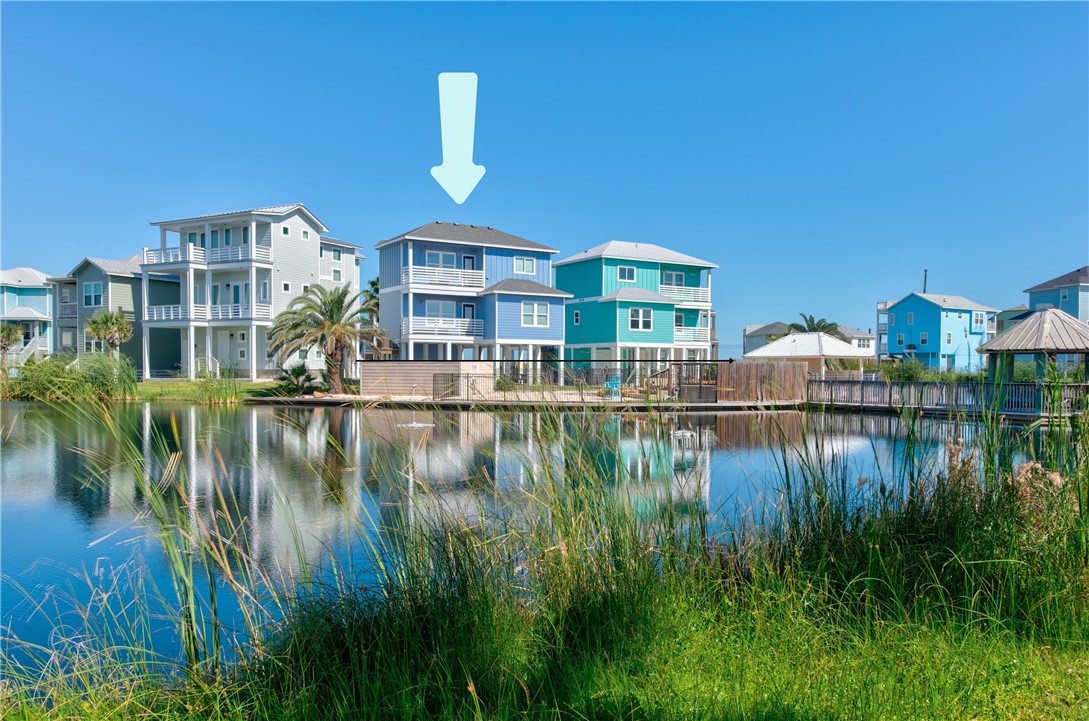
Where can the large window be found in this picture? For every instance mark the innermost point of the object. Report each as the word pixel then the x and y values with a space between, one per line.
pixel 440 259
pixel 924 338
pixel 672 277
pixel 525 266
pixel 66 294
pixel 640 319
pixel 534 314
pixel 440 309
pixel 92 294
pixel 625 273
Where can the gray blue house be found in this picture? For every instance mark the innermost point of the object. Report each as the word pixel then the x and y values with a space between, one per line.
pixel 940 331
pixel 28 302
pixel 453 291
pixel 1069 292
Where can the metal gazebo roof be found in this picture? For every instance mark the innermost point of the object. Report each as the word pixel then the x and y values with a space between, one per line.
pixel 1048 330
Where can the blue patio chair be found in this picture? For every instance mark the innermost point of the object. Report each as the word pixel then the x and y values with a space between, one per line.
pixel 612 388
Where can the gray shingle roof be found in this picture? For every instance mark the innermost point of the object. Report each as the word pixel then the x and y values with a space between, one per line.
pixel 1045 331
pixel 1074 277
pixel 957 302
pixel 469 234
pixel 121 266
pixel 28 277
pixel 849 332
pixel 776 328
pixel 641 295
pixel 23 312
pixel 636 251
pixel 523 287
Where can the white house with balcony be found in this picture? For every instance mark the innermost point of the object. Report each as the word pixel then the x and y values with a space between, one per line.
pixel 236 271
pixel 455 291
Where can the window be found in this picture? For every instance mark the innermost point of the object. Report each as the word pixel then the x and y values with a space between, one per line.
pixel 197 294
pixel 534 314
pixel 263 297
pixel 576 317
pixel 321 251
pixel 678 320
pixel 226 236
pixel 242 336
pixel 302 354
pixel 639 318
pixel 1064 294
pixel 625 273
pixel 306 235
pixel 672 277
pixel 285 230
pixel 215 238
pixel 440 309
pixel 92 294
pixel 245 235
pixel 892 319
pixel 68 338
pixel 287 287
pixel 336 255
pixel 525 266
pixel 241 354
pixel 192 239
pixel 923 338
pixel 900 339
pixel 911 318
pixel 215 294
pixel 977 318
pixel 66 294
pixel 440 259
pixel 863 342
pixel 336 275
pixel 949 339
pixel 946 314
pixel 305 288
pixel 960 315
pixel 236 291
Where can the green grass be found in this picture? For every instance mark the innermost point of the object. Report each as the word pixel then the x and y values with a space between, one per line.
pixel 957 589
pixel 225 389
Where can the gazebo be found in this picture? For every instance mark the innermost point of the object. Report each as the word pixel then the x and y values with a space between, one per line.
pixel 812 348
pixel 1045 334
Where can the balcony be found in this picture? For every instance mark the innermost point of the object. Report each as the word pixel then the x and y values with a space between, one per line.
pixel 687 334
pixel 192 254
pixel 67 310
pixel 442 326
pixel 449 277
pixel 239 311
pixel 685 293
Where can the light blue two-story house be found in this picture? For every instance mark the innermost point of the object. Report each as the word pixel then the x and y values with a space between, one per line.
pixel 636 302
pixel 28 303
pixel 940 331
pixel 1069 293
pixel 450 291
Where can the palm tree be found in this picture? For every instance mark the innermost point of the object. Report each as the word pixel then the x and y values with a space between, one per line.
pixel 109 327
pixel 330 319
pixel 370 300
pixel 814 325
pixel 11 336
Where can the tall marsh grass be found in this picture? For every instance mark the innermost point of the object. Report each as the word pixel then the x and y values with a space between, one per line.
pixel 578 592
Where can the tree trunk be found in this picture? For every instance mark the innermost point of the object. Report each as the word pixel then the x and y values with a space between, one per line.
pixel 332 369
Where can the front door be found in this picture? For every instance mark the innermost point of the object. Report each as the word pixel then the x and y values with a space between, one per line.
pixel 468 262
pixel 468 311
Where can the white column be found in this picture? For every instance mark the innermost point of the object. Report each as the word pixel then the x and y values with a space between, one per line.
pixel 187 302
pixel 143 295
pixel 253 240
pixel 208 346
pixel 637 369
pixel 559 367
pixel 162 238
pixel 190 350
pixel 449 351
pixel 251 352
pixel 146 352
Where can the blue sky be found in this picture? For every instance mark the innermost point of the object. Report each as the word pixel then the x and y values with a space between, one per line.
pixel 822 154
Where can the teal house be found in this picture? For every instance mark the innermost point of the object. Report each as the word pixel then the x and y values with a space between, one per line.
pixel 1069 293
pixel 634 302
pixel 27 303
pixel 940 331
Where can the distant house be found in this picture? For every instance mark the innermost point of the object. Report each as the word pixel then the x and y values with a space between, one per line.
pixel 450 290
pixel 636 301
pixel 861 339
pixel 881 340
pixel 1011 317
pixel 1068 293
pixel 758 335
pixel 96 284
pixel 940 331
pixel 28 303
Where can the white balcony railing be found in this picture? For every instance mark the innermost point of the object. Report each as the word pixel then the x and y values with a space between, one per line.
pixel 685 334
pixel 176 312
pixel 442 276
pixel 686 293
pixel 68 310
pixel 185 254
pixel 443 326
pixel 189 253
pixel 235 253
pixel 237 311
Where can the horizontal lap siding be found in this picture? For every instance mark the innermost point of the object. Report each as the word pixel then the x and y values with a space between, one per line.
pixel 36 298
pixel 509 311
pixel 661 324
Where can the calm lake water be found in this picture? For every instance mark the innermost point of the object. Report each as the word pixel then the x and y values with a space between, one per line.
pixel 300 499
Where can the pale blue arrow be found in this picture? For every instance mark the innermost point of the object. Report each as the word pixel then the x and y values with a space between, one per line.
pixel 457 175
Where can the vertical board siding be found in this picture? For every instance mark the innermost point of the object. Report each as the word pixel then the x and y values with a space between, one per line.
pixel 499 265
pixel 647 275
pixel 420 248
pixel 582 279
pixel 597 323
pixel 390 311
pixel 389 265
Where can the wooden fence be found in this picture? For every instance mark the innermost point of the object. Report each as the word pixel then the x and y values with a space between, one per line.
pixel 761 382
pixel 1026 399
